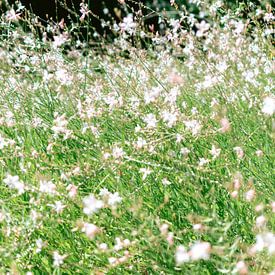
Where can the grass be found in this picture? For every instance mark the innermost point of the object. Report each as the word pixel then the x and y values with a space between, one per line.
pixel 81 124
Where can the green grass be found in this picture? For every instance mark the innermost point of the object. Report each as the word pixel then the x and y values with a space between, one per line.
pixel 196 195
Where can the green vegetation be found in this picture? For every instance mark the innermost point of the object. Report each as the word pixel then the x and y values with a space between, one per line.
pixel 158 163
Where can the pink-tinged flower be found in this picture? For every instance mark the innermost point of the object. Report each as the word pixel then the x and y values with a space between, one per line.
pixel 90 230
pixel 241 268
pixel 250 195
pixel 72 190
pixel 181 255
pixel 260 221
pixel 225 125
pixel 239 152
pixel 11 15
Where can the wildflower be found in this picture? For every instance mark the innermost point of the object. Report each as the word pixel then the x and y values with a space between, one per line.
pixel 11 15
pixel 215 152
pixel 3 142
pixel 165 182
pixel 91 205
pixel 58 259
pixel 170 238
pixel 269 106
pixel 145 172
pixel 128 24
pixel 140 143
pixel 60 39
pixel 169 117
pixel 225 125
pixel 103 247
pixel 72 190
pixel 164 229
pixel 114 199
pixel 200 250
pixel 239 152
pixel 84 10
pixel 58 206
pixel 151 120
pixel 194 126
pixel 182 255
pixel 264 241
pixel 47 187
pixel 259 207
pixel 117 152
pixel 234 194
pixel 60 124
pixel 259 153
pixel 203 161
pixel 241 268
pixel 90 230
pixel 202 27
pixel 184 151
pixel 250 195
pixel 260 221
pixel 197 227
pixel 39 244
pixel 14 183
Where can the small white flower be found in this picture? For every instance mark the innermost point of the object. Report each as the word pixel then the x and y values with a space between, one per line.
pixel 150 120
pixel 114 199
pixel 200 250
pixel 269 106
pixel 13 182
pixel 215 152
pixel 90 230
pixel 145 172
pixel 91 205
pixel 47 187
pixel 58 259
pixel 182 255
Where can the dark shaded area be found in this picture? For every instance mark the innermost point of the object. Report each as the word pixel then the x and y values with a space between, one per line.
pixel 69 10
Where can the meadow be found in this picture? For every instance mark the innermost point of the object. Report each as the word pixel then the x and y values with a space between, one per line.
pixel 139 160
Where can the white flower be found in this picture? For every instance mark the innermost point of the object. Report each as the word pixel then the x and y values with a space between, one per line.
pixel 47 187
pixel 128 24
pixel 269 106
pixel 58 206
pixel 117 152
pixel 145 172
pixel 91 205
pixel 215 152
pixel 90 230
pixel 114 199
pixel 13 182
pixel 165 181
pixel 194 126
pixel 265 240
pixel 203 27
pixel 200 250
pixel 260 221
pixel 39 244
pixel 239 152
pixel 151 120
pixel 58 259
pixel 182 255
